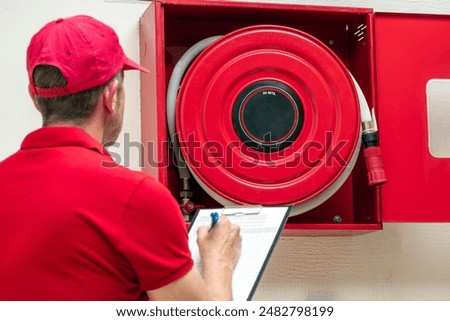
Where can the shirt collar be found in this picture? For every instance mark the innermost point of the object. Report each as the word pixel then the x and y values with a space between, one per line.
pixel 48 137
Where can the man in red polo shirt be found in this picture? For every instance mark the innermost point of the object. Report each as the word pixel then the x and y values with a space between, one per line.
pixel 76 226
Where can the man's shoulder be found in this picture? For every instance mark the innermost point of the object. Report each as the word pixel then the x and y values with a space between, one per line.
pixel 118 172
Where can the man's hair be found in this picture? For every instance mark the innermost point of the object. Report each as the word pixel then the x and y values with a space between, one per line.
pixel 76 108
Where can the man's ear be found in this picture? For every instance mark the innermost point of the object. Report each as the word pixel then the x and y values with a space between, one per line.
pixel 33 98
pixel 110 96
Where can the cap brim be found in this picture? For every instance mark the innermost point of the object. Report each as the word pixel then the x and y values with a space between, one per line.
pixel 132 65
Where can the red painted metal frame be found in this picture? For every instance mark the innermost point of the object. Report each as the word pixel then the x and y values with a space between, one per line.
pixel 169 27
pixel 411 50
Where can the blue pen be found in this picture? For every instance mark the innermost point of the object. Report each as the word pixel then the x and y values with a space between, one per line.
pixel 214 219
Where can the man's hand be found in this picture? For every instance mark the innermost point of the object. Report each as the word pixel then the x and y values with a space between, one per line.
pixel 220 248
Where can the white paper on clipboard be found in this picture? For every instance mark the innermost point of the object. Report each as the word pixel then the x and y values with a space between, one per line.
pixel 260 230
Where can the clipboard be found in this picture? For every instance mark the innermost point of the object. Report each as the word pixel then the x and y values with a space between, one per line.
pixel 261 228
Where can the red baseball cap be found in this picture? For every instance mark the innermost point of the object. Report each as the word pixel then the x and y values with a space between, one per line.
pixel 85 50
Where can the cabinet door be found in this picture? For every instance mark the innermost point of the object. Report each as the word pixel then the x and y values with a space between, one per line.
pixel 412 56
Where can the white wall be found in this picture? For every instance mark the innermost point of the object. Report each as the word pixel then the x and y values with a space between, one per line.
pixel 402 262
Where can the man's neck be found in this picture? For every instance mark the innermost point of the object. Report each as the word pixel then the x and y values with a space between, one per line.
pixel 95 131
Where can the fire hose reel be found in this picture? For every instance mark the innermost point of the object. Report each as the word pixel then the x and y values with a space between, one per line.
pixel 266 115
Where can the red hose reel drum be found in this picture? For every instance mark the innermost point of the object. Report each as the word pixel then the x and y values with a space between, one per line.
pixel 268 115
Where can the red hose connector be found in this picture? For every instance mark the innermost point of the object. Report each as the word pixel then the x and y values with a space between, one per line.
pixel 374 165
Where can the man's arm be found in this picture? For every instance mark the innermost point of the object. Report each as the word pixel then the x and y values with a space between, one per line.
pixel 220 250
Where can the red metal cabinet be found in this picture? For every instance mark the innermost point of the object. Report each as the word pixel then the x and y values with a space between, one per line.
pixel 391 56
pixel 410 51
